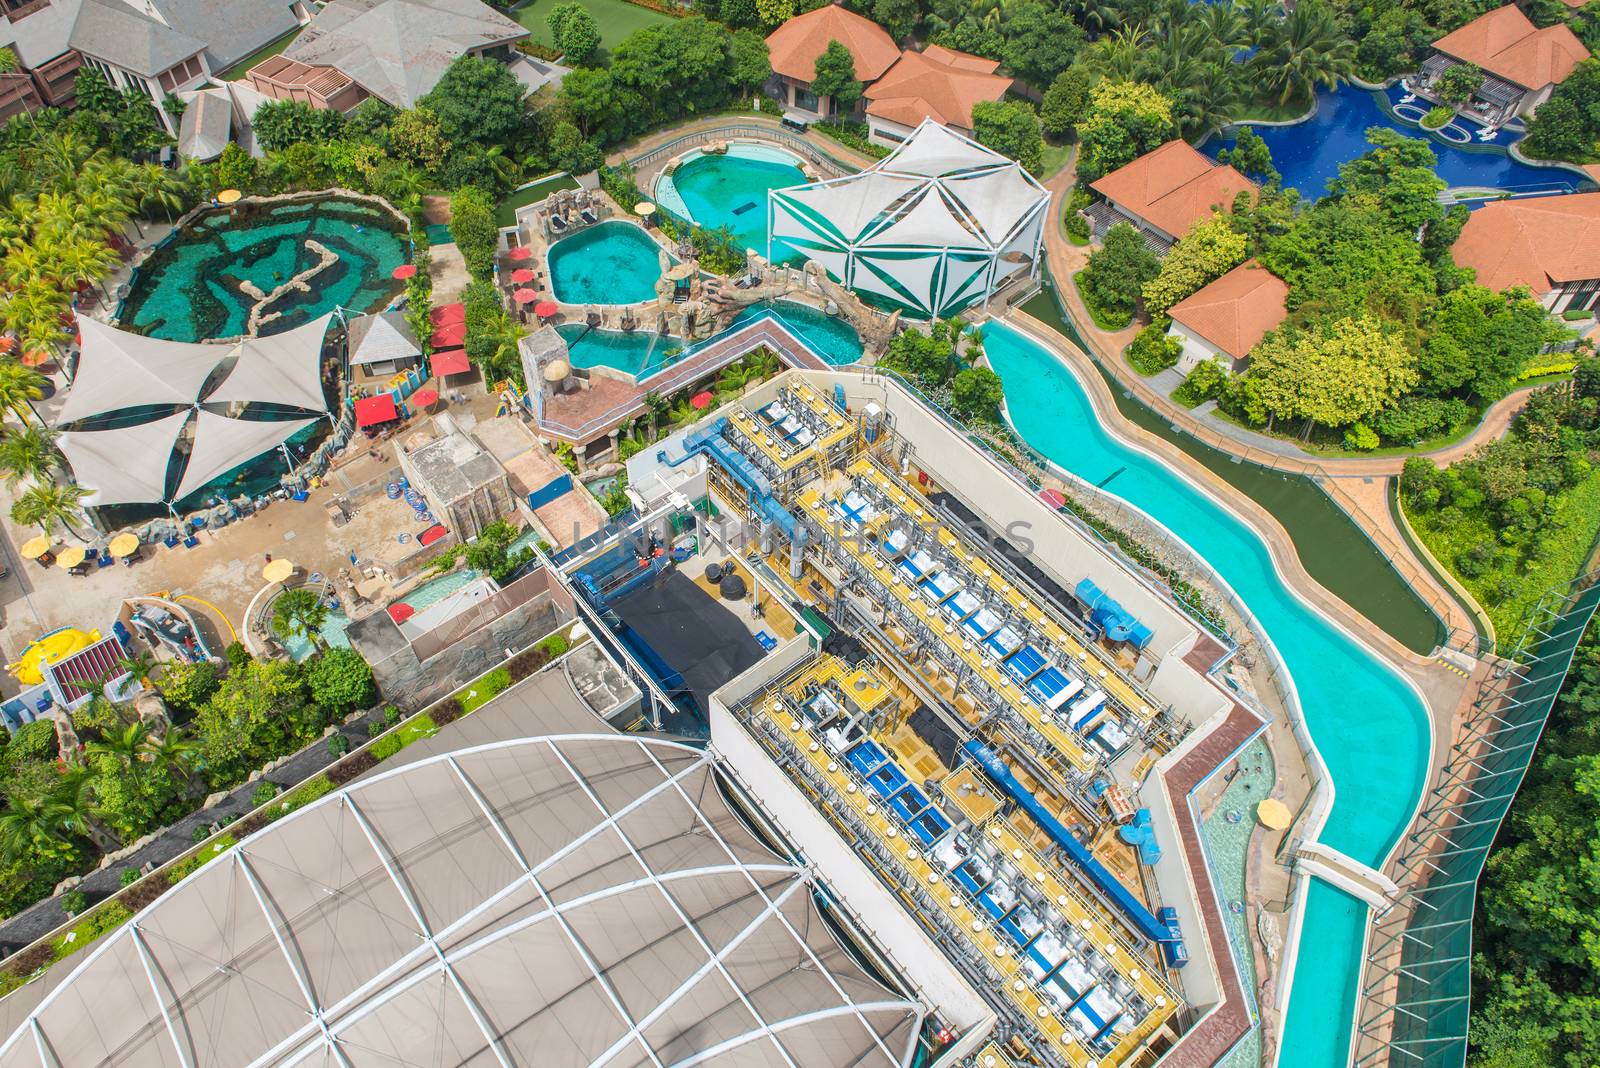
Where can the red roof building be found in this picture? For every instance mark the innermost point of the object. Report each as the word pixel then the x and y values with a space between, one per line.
pixel 1522 63
pixel 795 46
pixel 1166 191
pixel 1551 245
pixel 1228 317
pixel 937 83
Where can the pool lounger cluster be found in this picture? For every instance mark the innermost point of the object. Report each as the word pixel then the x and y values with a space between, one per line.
pixel 1042 680
pixel 1096 1002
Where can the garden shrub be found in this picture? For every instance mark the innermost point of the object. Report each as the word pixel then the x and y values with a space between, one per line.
pixel 1361 437
pixel 1073 221
pixel 264 792
pixel 73 901
pixel 1204 383
pixel 385 747
pixel 526 663
pixel 350 767
pixel 1152 351
pixel 555 645
pixel 447 711
pixel 138 896
pixel 1437 118
pixel 128 877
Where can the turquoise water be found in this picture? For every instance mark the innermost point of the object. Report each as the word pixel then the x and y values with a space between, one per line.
pixel 830 336
pixel 609 263
pixel 439 234
pixel 190 289
pixel 332 633
pixel 431 593
pixel 1227 851
pixel 1369 726
pixel 634 352
pixel 730 190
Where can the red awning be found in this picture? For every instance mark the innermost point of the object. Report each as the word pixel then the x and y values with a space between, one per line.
pixel 400 611
pixel 448 313
pixel 1054 498
pixel 370 411
pixel 450 362
pixel 450 336
pixel 425 398
pixel 431 535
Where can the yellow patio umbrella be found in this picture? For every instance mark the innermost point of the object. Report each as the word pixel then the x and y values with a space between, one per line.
pixel 278 570
pixel 1274 815
pixel 34 548
pixel 71 556
pixel 125 544
pixel 644 208
pixel 229 196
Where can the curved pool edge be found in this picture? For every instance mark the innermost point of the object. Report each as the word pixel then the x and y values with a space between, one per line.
pixel 654 237
pixel 1325 791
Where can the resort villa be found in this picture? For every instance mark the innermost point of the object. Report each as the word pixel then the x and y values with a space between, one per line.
pixel 903 88
pixel 1226 318
pixel 1165 192
pixel 1549 244
pixel 395 50
pixel 155 46
pixel 1521 63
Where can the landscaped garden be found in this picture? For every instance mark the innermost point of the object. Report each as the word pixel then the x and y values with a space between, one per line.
pixel 616 19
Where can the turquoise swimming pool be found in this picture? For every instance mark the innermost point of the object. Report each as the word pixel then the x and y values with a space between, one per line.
pixel 609 263
pixel 830 336
pixel 191 289
pixel 636 352
pixel 730 189
pixel 1369 726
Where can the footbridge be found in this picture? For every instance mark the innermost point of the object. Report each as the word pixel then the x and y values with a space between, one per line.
pixel 1348 874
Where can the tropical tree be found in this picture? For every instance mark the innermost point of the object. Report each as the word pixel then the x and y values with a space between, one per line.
pixel 300 613
pixel 835 77
pixel 50 506
pixel 77 806
pixel 35 828
pixel 172 751
pixel 19 387
pixel 1305 50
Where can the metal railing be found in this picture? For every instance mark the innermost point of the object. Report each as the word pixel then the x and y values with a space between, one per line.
pixel 759 131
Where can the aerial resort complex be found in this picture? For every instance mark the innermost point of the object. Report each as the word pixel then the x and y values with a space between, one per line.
pixel 818 534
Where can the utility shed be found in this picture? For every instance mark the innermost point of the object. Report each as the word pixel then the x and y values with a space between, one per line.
pixel 466 487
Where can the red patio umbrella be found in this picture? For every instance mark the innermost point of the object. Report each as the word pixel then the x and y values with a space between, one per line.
pixel 448 313
pixel 546 308
pixel 525 296
pixel 431 535
pixel 400 612
pixel 522 275
pixel 522 252
pixel 370 411
pixel 1054 498
pixel 450 336
pixel 425 398
pixel 450 362
pixel 701 399
pixel 405 270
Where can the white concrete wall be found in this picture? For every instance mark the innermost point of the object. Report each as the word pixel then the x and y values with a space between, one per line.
pixel 1195 349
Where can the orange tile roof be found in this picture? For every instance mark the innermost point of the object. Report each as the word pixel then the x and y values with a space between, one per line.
pixel 1173 187
pixel 937 83
pixel 1235 312
pixel 796 44
pixel 1539 243
pixel 1506 44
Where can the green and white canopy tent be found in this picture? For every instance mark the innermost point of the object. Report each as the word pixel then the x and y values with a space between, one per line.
pixel 937 225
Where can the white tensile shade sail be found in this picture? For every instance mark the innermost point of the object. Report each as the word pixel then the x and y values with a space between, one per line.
pixel 221 444
pixel 118 369
pixel 938 224
pixel 123 466
pixel 285 369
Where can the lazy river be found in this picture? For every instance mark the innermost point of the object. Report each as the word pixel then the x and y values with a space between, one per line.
pixel 1369 726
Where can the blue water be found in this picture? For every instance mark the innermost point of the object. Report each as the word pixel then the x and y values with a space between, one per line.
pixel 1308 153
pixel 1370 728
pixel 190 289
pixel 731 190
pixel 610 263
pixel 830 336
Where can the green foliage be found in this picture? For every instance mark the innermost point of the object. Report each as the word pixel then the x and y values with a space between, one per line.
pixel 1457 84
pixel 1519 515
pixel 300 613
pixel 1207 252
pixel 1205 382
pixel 1567 126
pixel 340 681
pixel 1152 351
pixel 836 77
pixel 851 135
pixel 417 136
pixel 1011 128
pixel 338 745
pixel 575 32
pixel 32 741
pixel 1041 41
pixel 977 394
pixel 476 694
pixel 749 62
pixel 1066 100
pixel 1124 121
pixel 473 228
pixel 477 101
pixel 1343 372
pixel 1360 437
pixel 72 902
pixel 1250 156
pixel 489 553
pixel 281 123
pixel 250 719
pixel 1439 117
pixel 1481 340
pixel 264 792
pixel 1073 221
pixel 1397 41
pixel 1118 271
pixel 1536 972
pixel 928 359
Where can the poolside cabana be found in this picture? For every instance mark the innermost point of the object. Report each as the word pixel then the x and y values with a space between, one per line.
pixel 382 345
pixel 939 224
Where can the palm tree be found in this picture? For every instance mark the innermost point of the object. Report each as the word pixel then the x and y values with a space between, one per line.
pixel 79 808
pixel 1305 50
pixel 175 753
pixel 503 333
pixel 140 666
pixel 48 507
pixel 157 187
pixel 19 387
pixel 126 747
pixel 28 454
pixel 33 828
pixel 300 613
pixel 658 405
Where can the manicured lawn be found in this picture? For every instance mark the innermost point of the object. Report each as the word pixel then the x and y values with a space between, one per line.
pixel 505 214
pixel 617 19
pixel 239 69
pixel 1055 158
